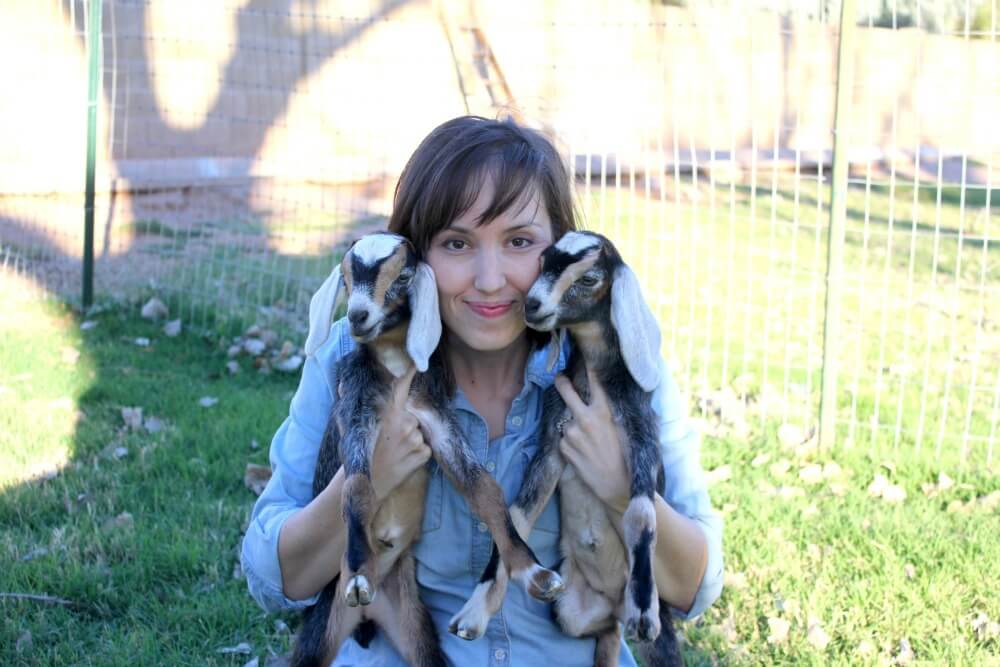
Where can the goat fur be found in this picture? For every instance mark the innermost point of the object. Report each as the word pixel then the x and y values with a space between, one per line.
pixel 585 290
pixel 394 318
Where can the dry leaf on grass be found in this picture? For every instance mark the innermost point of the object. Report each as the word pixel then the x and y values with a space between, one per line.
pixel 123 520
pixel 242 648
pixel 865 647
pixel 172 328
pixel 760 460
pixel 154 309
pixel 207 401
pixel 904 656
pixel 152 424
pixel 811 474
pixel 142 341
pixel 817 636
pixel 735 580
pixel 779 628
pixel 720 474
pixel 256 477
pixel 69 355
pixel 780 468
pixel 132 417
pixel 87 325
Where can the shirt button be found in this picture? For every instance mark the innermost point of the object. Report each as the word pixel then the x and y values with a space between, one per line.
pixel 482 527
pixel 516 421
pixel 491 466
pixel 499 654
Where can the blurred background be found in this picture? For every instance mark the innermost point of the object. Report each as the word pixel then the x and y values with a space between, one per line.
pixel 233 149
pixel 239 145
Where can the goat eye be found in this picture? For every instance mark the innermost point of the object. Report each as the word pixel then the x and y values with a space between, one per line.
pixel 405 278
pixel 588 281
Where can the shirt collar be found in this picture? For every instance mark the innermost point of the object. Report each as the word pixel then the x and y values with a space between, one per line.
pixel 537 370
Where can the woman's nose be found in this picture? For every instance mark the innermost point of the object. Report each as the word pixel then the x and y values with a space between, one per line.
pixel 490 275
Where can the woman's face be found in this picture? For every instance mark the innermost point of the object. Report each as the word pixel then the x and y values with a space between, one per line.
pixel 484 271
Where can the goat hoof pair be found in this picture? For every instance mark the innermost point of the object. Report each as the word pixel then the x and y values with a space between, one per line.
pixel 644 629
pixel 358 592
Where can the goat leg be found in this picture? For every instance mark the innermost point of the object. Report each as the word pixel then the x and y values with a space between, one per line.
pixel 358 568
pixel 404 618
pixel 486 500
pixel 540 481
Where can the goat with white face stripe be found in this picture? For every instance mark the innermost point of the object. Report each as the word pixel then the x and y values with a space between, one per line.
pixel 392 308
pixel 587 291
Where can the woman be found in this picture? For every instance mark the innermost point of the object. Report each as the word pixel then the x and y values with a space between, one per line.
pixel 480 200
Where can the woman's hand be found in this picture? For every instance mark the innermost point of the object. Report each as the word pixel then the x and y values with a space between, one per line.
pixel 591 442
pixel 400 449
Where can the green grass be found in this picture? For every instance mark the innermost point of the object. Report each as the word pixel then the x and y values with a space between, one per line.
pixel 160 589
pixel 736 278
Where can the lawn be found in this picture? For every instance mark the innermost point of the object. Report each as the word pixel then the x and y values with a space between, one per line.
pixel 132 531
pixel 120 532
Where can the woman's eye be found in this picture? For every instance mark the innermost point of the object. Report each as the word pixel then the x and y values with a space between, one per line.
pixel 520 242
pixel 455 244
pixel 588 281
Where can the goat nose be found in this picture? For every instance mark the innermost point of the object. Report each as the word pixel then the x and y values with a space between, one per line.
pixel 531 305
pixel 357 316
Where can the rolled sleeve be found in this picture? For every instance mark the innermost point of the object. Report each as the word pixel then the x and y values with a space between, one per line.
pixel 686 490
pixel 293 462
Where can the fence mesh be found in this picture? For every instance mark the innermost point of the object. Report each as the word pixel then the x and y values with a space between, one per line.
pixel 242 143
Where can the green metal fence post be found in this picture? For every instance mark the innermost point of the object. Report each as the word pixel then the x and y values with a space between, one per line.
pixel 94 53
pixel 835 237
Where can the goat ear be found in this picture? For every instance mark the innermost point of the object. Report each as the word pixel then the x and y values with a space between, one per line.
pixel 638 332
pixel 556 340
pixel 425 322
pixel 324 303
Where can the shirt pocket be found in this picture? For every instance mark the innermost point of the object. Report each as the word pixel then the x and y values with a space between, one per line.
pixel 435 499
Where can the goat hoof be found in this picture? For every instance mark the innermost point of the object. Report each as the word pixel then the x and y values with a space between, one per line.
pixel 465 630
pixel 358 592
pixel 546 585
pixel 646 628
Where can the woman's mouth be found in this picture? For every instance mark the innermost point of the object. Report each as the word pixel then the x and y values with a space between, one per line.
pixel 490 310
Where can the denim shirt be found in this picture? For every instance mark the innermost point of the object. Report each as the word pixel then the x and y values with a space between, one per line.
pixel 455 546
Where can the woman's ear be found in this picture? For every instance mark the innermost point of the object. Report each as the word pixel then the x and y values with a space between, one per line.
pixel 425 322
pixel 321 308
pixel 638 331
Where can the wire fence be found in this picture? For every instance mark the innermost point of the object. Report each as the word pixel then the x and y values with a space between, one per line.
pixel 243 143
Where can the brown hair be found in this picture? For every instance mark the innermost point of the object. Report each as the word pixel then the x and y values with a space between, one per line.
pixel 444 175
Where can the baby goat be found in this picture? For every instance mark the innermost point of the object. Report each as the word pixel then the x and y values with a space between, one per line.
pixel 586 289
pixel 393 314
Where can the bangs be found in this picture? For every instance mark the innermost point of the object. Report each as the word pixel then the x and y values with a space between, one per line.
pixel 446 174
pixel 513 169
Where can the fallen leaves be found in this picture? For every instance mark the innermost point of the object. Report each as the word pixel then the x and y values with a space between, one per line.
pixel 720 474
pixel 208 401
pixel 243 648
pixel 984 629
pixel 882 488
pixel 262 346
pixel 778 628
pixel 816 636
pixel 154 309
